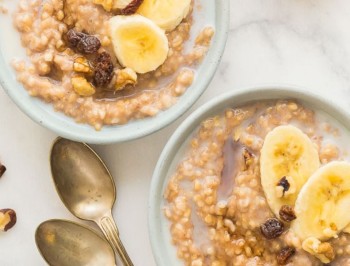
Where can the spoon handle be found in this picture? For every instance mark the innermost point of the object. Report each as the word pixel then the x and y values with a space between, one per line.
pixel 110 230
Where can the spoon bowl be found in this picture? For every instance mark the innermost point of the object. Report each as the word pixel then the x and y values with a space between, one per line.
pixel 86 188
pixel 82 179
pixel 64 243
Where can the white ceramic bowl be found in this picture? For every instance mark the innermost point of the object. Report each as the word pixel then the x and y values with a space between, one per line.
pixel 215 13
pixel 164 252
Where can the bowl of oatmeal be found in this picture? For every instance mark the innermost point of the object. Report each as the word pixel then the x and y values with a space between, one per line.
pixel 104 71
pixel 255 177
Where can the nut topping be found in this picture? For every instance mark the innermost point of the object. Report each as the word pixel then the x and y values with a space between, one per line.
pixel 106 4
pixel 125 76
pixel 82 87
pixel 8 219
pixel 323 251
pixel 287 213
pixel 272 228
pixel 284 255
pixel 81 65
pixel 248 158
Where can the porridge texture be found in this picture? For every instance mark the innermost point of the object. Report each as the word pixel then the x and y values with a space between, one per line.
pixel 64 41
pixel 217 208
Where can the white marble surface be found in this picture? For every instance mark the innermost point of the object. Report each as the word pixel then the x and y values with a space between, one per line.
pixel 301 42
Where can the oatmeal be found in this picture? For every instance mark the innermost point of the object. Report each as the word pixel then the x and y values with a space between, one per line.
pixel 260 185
pixel 108 62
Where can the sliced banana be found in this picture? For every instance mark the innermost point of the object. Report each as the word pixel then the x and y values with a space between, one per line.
pixel 167 14
pixel 138 42
pixel 288 159
pixel 322 207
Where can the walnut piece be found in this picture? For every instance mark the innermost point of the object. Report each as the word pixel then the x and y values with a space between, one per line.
pixel 106 4
pixel 323 251
pixel 125 76
pixel 81 65
pixel 8 219
pixel 82 87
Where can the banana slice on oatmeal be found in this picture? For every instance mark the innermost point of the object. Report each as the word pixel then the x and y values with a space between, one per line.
pixel 138 43
pixel 323 203
pixel 288 159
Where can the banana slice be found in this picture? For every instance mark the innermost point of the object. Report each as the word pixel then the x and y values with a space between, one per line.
pixel 138 42
pixel 322 207
pixel 167 14
pixel 288 159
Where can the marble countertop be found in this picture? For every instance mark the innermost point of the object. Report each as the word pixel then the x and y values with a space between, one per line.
pixel 300 42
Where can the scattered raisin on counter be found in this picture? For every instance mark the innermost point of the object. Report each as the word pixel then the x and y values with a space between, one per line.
pixel 272 228
pixel 2 169
pixel 284 183
pixel 284 255
pixel 287 213
pixel 103 69
pixel 132 7
pixel 84 43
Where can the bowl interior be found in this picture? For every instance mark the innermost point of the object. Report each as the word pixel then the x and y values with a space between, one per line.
pixel 164 251
pixel 214 13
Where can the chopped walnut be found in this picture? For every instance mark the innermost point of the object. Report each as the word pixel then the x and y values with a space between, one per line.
pixel 106 4
pixel 8 219
pixel 82 87
pixel 125 76
pixel 248 158
pixel 323 251
pixel 81 64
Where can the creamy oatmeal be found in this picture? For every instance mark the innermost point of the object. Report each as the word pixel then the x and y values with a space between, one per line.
pixel 106 62
pixel 263 184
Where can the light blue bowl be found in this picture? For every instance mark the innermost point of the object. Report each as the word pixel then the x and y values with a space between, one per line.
pixel 173 152
pixel 215 13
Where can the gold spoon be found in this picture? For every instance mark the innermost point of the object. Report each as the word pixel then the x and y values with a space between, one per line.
pixel 64 243
pixel 86 188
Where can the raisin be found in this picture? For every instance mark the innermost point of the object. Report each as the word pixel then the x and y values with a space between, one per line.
pixel 272 228
pixel 284 183
pixel 287 213
pixel 89 44
pixel 132 7
pixel 103 69
pixel 284 255
pixel 74 37
pixel 83 43
pixel 2 169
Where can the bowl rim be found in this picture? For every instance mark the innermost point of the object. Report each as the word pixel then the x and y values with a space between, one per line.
pixel 219 103
pixel 68 128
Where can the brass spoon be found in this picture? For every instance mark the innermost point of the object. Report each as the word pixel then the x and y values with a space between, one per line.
pixel 64 243
pixel 86 188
